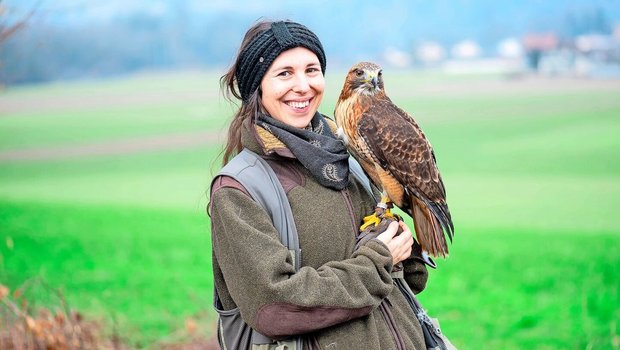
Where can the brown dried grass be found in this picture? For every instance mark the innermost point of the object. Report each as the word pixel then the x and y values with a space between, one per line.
pixel 60 328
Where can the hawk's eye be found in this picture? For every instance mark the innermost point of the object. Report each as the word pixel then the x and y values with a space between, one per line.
pixel 359 73
pixel 380 73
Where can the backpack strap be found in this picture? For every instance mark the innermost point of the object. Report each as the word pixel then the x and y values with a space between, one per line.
pixel 356 170
pixel 261 182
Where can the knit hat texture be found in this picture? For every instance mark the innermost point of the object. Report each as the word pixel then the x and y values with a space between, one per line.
pixel 255 60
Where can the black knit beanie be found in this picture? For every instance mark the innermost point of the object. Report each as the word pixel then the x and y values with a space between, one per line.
pixel 255 60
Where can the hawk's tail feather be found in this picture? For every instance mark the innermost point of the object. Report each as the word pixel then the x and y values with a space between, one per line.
pixel 428 229
pixel 442 213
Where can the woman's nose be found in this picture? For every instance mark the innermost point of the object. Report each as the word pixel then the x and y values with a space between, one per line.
pixel 301 83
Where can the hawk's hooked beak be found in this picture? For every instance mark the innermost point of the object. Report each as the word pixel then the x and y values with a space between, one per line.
pixel 373 79
pixel 375 82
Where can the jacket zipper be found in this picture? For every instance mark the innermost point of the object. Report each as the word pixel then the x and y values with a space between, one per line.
pixel 391 323
pixel 349 203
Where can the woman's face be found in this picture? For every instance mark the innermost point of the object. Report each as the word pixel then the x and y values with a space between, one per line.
pixel 293 86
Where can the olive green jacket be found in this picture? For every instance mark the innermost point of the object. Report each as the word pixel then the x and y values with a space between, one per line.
pixel 339 298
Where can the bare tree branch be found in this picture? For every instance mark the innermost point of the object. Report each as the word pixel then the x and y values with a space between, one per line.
pixel 7 30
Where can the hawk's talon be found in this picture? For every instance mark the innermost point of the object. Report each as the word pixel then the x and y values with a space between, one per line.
pixel 369 220
pixel 388 214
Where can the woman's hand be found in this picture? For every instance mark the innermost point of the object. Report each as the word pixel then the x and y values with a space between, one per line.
pixel 399 245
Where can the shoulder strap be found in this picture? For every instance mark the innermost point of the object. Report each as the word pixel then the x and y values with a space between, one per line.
pixel 356 170
pixel 261 182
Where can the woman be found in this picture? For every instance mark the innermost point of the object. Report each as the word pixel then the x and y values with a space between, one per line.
pixel 341 297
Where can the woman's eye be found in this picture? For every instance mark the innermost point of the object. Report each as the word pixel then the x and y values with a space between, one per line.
pixel 312 70
pixel 284 74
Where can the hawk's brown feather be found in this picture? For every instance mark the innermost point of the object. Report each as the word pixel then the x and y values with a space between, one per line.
pixel 395 153
pixel 402 148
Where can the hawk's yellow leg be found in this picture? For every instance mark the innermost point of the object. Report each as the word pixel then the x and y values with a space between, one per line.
pixel 388 213
pixel 382 210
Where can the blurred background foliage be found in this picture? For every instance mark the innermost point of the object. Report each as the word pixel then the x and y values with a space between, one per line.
pixel 69 39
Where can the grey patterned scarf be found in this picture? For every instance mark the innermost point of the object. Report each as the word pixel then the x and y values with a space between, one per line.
pixel 315 147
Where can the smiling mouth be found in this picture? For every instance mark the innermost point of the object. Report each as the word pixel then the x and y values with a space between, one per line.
pixel 298 104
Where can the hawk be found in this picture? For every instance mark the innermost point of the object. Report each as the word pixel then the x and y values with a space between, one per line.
pixel 394 152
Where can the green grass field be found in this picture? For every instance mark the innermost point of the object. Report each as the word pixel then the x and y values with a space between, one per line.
pixel 531 166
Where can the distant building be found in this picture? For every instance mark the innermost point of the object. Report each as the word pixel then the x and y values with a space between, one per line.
pixel 467 59
pixel 495 65
pixel 597 55
pixel 538 44
pixel 466 49
pixel 560 62
pixel 430 53
pixel 397 58
pixel 589 55
pixel 592 43
pixel 510 48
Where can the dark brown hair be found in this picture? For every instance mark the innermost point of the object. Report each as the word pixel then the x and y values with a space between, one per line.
pixel 230 89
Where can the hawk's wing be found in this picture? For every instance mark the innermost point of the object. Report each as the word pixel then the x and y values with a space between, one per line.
pixel 402 149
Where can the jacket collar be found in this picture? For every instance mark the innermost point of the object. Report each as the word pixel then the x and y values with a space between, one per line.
pixel 258 140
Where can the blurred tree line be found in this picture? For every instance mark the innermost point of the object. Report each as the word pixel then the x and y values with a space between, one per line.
pixel 37 49
pixel 40 51
pixel 588 22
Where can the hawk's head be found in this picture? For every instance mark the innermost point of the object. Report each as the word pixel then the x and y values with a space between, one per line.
pixel 365 78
